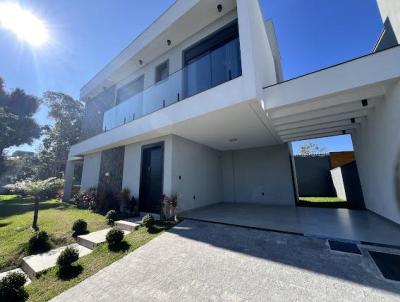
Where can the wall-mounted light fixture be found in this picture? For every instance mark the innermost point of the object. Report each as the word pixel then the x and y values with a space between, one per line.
pixel 168 42
pixel 107 174
pixel 140 62
pixel 219 7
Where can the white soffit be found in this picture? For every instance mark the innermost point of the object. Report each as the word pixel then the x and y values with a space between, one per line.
pixel 332 101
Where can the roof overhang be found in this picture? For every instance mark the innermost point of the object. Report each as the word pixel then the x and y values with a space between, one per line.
pixel 334 100
pixel 180 21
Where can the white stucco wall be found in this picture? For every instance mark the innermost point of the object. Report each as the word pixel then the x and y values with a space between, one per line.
pixel 196 174
pixel 175 54
pixel 377 148
pixel 90 171
pixel 258 175
pixel 257 59
pixel 391 9
pixel 338 183
pixel 132 164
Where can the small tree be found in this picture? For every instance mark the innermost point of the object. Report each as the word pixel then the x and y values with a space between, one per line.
pixel 35 189
pixel 39 190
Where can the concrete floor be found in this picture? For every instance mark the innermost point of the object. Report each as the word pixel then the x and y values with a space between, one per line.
pixel 198 261
pixel 319 222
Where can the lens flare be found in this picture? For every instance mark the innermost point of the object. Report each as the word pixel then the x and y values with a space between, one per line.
pixel 25 25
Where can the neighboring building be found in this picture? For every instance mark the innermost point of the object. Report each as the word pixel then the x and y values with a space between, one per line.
pixel 390 10
pixel 196 105
pixel 338 159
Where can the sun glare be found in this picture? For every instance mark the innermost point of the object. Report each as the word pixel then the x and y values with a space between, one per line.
pixel 25 25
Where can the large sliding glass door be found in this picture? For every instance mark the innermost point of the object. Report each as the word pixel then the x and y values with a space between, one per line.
pixel 212 61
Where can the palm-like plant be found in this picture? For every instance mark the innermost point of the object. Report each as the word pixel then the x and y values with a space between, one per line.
pixel 39 190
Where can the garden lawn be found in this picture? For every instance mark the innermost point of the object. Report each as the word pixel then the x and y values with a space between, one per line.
pixel 49 285
pixel 55 217
pixel 321 199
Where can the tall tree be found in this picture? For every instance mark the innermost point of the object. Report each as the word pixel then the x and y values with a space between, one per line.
pixel 58 137
pixel 17 124
pixel 311 149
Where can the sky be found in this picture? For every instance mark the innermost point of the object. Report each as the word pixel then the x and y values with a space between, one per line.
pixel 85 35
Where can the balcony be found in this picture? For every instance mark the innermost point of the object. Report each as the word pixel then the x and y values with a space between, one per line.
pixel 211 68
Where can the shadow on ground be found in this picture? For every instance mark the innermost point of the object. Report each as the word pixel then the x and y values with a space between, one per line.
pixel 307 253
pixel 19 206
pixel 68 273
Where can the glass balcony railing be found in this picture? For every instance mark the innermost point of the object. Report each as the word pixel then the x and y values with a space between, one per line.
pixel 209 70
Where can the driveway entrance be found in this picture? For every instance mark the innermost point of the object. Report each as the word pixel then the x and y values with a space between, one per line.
pixel 355 225
pixel 198 261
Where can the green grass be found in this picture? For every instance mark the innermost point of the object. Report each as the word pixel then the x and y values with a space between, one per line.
pixel 50 285
pixel 321 199
pixel 55 217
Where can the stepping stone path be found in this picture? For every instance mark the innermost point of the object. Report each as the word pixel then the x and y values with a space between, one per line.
pixel 35 264
pixel 95 238
pixel 17 270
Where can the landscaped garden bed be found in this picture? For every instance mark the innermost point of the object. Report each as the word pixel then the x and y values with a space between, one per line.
pixel 55 217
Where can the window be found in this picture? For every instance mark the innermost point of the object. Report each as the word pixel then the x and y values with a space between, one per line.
pixel 162 71
pixel 212 61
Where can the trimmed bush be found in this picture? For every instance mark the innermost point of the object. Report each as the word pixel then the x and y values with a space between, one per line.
pixel 111 216
pixel 12 287
pixel 67 257
pixel 148 221
pixel 114 237
pixel 79 227
pixel 38 243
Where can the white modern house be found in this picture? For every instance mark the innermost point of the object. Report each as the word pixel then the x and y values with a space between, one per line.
pixel 196 105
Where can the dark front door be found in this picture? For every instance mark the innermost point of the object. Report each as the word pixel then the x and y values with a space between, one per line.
pixel 151 180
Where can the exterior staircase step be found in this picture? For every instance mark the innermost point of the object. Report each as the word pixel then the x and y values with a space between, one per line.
pixel 156 216
pixel 17 270
pixel 95 238
pixel 35 264
pixel 129 224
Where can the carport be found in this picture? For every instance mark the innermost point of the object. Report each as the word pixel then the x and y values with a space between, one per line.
pixel 344 224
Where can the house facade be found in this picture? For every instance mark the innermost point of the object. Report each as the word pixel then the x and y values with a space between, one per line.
pixel 196 105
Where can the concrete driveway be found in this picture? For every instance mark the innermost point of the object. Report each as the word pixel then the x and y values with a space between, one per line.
pixel 199 261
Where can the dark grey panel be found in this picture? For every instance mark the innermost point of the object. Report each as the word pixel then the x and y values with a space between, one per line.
pixel 352 186
pixel 388 38
pixel 313 176
pixel 92 122
pixel 112 162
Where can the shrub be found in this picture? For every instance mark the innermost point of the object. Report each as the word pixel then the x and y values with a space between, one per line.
pixel 86 199
pixel 38 243
pixel 114 237
pixel 111 216
pixel 68 256
pixel 12 287
pixel 42 189
pixel 107 200
pixel 79 227
pixel 148 221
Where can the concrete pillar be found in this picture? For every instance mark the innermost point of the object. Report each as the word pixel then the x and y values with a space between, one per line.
pixel 68 179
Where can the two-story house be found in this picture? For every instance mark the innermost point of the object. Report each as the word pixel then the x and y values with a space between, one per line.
pixel 180 110
pixel 196 105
